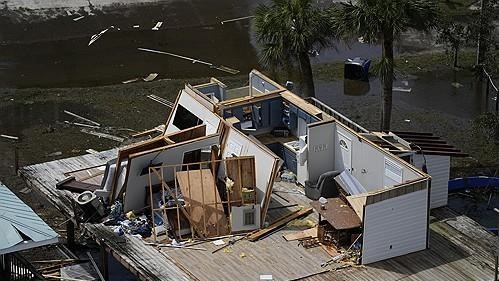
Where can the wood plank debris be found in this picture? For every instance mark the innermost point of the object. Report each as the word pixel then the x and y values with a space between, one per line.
pixel 150 77
pixel 103 135
pixel 158 25
pixel 307 233
pixel 211 65
pixel 130 80
pixel 236 19
pixel 78 18
pixel 95 266
pixel 182 247
pixel 279 223
pixel 82 118
pixel 96 37
pixel 161 100
pixel 9 137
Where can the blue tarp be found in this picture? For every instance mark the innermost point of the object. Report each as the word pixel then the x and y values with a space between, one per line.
pixel 459 184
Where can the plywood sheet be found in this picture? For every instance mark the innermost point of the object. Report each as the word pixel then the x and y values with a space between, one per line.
pixel 242 172
pixel 199 190
pixel 311 232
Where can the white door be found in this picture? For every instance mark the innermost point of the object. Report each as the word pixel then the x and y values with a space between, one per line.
pixel 346 151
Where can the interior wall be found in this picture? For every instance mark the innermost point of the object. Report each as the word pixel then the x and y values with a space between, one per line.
pixel 368 162
pixel 261 84
pixel 209 118
pixel 321 149
pixel 136 184
pixel 238 144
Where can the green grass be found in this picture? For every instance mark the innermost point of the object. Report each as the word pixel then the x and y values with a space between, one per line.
pixel 39 115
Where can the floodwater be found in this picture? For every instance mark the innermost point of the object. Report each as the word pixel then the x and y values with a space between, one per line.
pixel 55 53
pixel 451 92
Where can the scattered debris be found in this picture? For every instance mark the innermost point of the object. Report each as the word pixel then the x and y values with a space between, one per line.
pixel 218 242
pixel 53 154
pixel 9 137
pixel 91 151
pixel 182 247
pixel 130 80
pixel 211 65
pixel 95 266
pixel 103 135
pixel 302 223
pixel 81 117
pixel 278 224
pixel 231 242
pixel 150 77
pixel 158 25
pixel 311 232
pixel 157 129
pixel 456 85
pixel 161 100
pixel 242 255
pixel 25 190
pixel 78 18
pixel 96 37
pixel 401 89
pixel 236 19
pixel 82 125
pixel 283 207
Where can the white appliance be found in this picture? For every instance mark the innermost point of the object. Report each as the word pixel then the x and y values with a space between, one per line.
pixel 301 157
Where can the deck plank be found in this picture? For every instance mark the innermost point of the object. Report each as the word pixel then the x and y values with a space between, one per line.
pixel 459 247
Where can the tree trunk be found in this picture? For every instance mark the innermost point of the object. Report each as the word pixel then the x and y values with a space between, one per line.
pixel 307 75
pixel 387 80
pixel 482 33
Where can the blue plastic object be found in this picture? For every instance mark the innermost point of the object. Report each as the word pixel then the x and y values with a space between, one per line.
pixel 459 184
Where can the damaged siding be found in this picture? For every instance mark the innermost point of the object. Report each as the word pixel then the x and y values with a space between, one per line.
pixel 438 168
pixel 395 226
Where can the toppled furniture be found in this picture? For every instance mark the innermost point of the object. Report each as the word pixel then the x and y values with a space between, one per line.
pixel 340 221
pixel 71 184
pixel 324 187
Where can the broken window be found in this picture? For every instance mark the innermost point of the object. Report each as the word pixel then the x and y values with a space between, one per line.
pixel 184 119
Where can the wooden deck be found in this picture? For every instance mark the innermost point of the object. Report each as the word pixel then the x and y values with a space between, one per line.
pixel 459 247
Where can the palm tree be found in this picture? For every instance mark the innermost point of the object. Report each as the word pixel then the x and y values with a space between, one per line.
pixel 382 21
pixel 287 31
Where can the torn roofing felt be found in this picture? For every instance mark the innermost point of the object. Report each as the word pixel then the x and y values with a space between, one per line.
pixel 19 223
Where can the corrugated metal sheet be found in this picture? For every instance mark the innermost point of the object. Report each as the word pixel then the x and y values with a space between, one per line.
pixel 438 168
pixel 395 227
pixel 17 218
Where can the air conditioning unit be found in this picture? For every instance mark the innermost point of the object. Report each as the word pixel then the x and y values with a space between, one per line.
pixel 90 205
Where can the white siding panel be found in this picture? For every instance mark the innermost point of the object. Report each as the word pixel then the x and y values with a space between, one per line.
pixel 439 169
pixel 395 227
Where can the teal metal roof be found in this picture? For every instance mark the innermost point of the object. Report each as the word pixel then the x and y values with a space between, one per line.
pixel 20 227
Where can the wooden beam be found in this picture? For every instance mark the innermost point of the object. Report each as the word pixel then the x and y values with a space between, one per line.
pixel 279 223
pixel 163 183
pixel 400 133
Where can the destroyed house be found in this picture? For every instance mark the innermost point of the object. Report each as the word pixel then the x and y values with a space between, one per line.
pixel 212 172
pixel 257 182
